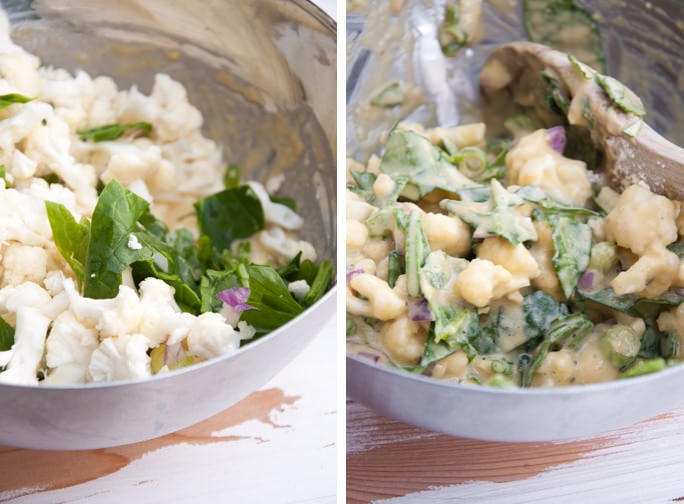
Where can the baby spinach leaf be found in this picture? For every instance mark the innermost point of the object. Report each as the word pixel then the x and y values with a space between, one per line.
pixel 544 23
pixel 540 310
pixel 71 237
pixel 114 131
pixel 423 165
pixel 229 215
pixel 537 195
pixel 114 221
pixel 574 325
pixel 6 335
pixel 269 295
pixel 572 249
pixel 497 216
pixel 8 99
pixel 417 247
pixel 213 282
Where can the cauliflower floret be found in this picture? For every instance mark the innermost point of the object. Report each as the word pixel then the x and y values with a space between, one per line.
pixel 34 310
pixel 357 234
pixel 120 357
pixel 299 289
pixel 111 317
pixel 381 301
pixel 197 164
pixel 23 218
pixel 22 166
pixel 69 347
pixel 281 246
pixel 162 320
pixel 542 251
pixel 515 258
pixel 275 213
pixel 19 125
pixel 651 276
pixel 482 282
pixel 447 233
pixel 18 68
pixel 104 106
pixel 532 161
pixel 644 223
pixel 673 321
pixel 404 340
pixel 27 351
pixel 70 95
pixel 129 162
pixel 22 263
pixel 49 145
pixel 167 107
pixel 641 220
pixel 210 336
pixel 357 209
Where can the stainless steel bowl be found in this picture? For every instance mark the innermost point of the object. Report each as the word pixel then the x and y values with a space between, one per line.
pixel 263 74
pixel 642 41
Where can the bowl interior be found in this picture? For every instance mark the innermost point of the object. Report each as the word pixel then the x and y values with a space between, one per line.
pixel 641 41
pixel 263 75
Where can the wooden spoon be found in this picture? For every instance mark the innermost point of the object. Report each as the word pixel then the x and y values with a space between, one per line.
pixel 538 78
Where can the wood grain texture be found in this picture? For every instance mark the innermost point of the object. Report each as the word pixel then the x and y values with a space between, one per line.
pixel 286 430
pixel 23 472
pixel 388 461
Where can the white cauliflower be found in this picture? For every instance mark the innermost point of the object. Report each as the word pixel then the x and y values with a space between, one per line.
pixel 275 213
pixel 49 145
pixel 120 357
pixel 167 107
pixel 71 96
pixel 18 68
pixel 162 320
pixel 69 347
pixel 111 317
pixel 299 289
pixel 129 162
pixel 34 308
pixel 22 263
pixel 210 337
pixel 281 246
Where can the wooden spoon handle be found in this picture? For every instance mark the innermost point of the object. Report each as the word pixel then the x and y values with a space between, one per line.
pixel 648 158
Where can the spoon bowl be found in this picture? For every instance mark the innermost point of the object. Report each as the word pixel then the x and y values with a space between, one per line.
pixel 554 88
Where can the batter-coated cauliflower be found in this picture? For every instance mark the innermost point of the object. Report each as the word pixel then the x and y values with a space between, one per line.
pixel 482 282
pixel 641 220
pixel 532 161
pixel 644 223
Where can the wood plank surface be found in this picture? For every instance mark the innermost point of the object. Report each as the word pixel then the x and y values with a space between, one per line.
pixel 287 430
pixel 389 461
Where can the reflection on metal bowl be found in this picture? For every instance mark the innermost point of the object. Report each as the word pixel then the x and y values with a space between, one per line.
pixel 263 75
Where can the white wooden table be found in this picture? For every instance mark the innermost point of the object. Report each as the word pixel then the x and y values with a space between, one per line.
pixel 276 446
pixel 389 462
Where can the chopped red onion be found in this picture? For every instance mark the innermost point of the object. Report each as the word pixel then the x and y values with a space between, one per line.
pixel 556 136
pixel 418 310
pixel 586 281
pixel 353 273
pixel 236 298
pixel 370 356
